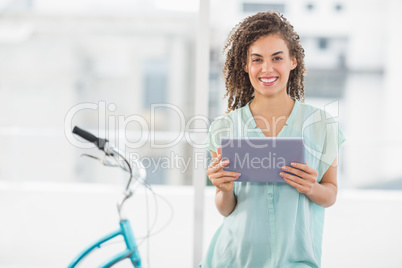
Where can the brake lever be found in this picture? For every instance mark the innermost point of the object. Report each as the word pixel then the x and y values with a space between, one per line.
pixel 104 161
pixel 91 156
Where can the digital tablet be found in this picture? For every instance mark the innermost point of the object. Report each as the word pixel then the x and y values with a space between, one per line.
pixel 261 159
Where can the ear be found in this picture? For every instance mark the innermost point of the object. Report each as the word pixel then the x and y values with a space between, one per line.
pixel 246 68
pixel 294 63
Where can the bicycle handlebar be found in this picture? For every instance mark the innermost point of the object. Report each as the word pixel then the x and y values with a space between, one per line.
pixel 100 143
pixel 118 159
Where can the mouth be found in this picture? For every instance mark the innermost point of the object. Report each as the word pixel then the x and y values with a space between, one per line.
pixel 268 81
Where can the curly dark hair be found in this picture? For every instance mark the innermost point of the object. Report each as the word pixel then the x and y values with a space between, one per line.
pixel 238 86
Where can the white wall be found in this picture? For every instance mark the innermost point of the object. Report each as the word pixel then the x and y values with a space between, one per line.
pixel 45 225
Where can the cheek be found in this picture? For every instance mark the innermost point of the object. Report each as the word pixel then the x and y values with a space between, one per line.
pixel 285 70
pixel 252 71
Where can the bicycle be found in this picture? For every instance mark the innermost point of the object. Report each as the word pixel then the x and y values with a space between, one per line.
pixel 115 158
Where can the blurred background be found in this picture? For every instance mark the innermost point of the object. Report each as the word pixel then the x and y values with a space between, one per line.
pixel 126 70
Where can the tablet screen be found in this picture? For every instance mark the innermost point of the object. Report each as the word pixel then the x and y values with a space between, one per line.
pixel 261 159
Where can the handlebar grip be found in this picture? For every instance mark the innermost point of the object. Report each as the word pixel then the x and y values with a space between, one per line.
pixel 84 134
pixel 100 143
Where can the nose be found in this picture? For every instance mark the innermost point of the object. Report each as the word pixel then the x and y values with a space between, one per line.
pixel 267 67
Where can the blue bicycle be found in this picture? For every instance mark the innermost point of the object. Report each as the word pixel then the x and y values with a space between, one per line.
pixel 113 157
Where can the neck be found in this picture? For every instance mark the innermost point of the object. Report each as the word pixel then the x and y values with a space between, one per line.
pixel 280 105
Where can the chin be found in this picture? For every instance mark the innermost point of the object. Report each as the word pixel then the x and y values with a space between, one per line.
pixel 269 93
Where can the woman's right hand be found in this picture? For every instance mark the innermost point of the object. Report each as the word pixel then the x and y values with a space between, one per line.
pixel 223 180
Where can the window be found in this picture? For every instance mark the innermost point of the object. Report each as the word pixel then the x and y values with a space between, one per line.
pixel 18 5
pixel 323 43
pixel 257 7
pixel 338 7
pixel 155 173
pixel 325 83
pixel 155 82
pixel 310 6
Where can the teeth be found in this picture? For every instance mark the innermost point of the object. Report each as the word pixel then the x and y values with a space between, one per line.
pixel 265 80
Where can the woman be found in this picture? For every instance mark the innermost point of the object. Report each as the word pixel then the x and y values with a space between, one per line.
pixel 271 224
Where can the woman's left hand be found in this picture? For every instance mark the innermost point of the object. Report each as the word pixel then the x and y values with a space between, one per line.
pixel 304 181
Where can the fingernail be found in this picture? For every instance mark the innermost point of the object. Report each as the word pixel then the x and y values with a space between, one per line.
pixel 238 174
pixel 293 164
pixel 284 167
pixel 282 174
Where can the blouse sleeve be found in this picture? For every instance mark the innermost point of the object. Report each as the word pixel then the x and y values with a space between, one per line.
pixel 211 143
pixel 219 128
pixel 333 139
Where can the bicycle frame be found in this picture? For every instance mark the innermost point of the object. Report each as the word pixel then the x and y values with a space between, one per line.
pixel 130 252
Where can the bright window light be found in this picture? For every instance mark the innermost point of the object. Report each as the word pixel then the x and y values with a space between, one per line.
pixel 177 5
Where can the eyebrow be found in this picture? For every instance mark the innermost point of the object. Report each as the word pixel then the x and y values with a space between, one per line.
pixel 277 53
pixel 258 55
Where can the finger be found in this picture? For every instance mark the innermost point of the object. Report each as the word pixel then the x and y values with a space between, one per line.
pixel 217 167
pixel 223 181
pixel 219 150
pixel 215 160
pixel 222 174
pixel 298 187
pixel 223 163
pixel 293 178
pixel 211 171
pixel 303 167
pixel 294 171
pixel 214 169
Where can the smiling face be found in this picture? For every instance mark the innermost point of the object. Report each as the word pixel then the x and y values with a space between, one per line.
pixel 268 65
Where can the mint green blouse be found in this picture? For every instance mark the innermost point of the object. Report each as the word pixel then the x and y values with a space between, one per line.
pixel 273 225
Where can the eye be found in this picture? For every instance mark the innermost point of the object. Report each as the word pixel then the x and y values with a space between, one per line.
pixel 277 58
pixel 256 60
